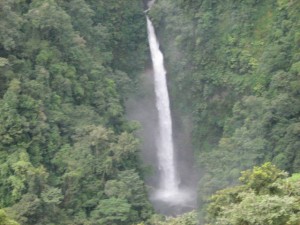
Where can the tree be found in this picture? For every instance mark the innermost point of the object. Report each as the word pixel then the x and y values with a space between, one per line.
pixel 267 196
pixel 260 178
pixel 112 211
pixel 238 67
pixel 135 195
pixel 4 220
pixel 63 133
pixel 10 24
pixel 186 219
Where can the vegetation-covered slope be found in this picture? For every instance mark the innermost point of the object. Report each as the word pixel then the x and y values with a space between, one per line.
pixel 234 70
pixel 67 155
pixel 266 196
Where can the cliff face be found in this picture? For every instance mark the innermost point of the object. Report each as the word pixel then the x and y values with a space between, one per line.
pixel 233 68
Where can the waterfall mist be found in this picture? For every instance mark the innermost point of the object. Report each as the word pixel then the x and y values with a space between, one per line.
pixel 172 186
pixel 169 181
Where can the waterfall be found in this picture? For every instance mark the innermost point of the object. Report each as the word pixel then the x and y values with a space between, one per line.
pixel 171 196
pixel 168 181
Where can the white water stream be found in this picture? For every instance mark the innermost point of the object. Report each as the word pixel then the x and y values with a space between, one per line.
pixel 168 190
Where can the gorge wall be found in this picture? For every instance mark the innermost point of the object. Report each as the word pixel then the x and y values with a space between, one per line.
pixel 234 80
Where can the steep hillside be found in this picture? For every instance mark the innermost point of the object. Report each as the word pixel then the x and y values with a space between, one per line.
pixel 67 154
pixel 234 72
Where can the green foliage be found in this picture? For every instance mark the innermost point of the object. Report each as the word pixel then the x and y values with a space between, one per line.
pixel 66 68
pixel 186 219
pixel 237 64
pixel 277 204
pixel 112 211
pixel 27 210
pixel 261 177
pixel 10 24
pixel 189 218
pixel 295 177
pixel 67 153
pixel 4 220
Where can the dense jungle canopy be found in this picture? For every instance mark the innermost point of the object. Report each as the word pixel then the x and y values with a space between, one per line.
pixel 68 155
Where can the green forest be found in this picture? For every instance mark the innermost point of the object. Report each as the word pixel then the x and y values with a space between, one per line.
pixel 69 156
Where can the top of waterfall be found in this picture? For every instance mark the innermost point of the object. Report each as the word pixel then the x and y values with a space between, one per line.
pixel 150 3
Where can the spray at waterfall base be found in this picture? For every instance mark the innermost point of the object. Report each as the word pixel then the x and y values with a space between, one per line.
pixel 169 196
